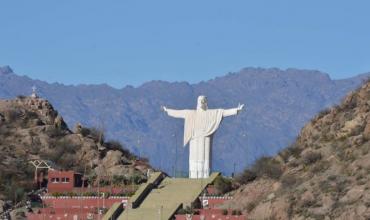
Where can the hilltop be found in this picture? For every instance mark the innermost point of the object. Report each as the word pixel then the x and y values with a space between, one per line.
pixel 30 128
pixel 278 104
pixel 324 174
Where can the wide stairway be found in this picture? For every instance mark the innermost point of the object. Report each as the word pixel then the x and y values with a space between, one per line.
pixel 164 198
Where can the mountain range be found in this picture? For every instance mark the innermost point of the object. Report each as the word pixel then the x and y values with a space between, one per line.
pixel 277 105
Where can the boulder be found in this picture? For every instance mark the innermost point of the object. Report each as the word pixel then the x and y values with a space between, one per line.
pixel 366 133
pixel 353 195
pixel 2 203
pixel 112 158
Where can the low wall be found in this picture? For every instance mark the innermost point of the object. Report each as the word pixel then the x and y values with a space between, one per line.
pixel 84 202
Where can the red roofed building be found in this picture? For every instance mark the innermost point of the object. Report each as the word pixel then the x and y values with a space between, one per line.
pixel 63 181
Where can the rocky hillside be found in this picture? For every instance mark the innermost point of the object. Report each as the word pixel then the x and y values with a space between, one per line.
pixel 31 129
pixel 325 174
pixel 278 104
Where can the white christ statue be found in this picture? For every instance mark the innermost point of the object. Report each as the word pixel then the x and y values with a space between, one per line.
pixel 200 125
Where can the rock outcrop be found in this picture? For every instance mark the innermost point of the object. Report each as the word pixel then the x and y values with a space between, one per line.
pixel 30 128
pixel 325 174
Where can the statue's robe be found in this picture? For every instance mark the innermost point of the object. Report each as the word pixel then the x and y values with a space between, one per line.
pixel 199 127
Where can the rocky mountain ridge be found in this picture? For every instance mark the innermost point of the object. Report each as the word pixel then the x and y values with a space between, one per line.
pixel 324 174
pixel 278 103
pixel 30 129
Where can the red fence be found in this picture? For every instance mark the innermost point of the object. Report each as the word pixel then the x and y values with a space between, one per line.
pixel 74 208
pixel 67 216
pixel 212 214
pixel 84 202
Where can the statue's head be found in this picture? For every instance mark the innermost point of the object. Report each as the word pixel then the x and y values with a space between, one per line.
pixel 202 102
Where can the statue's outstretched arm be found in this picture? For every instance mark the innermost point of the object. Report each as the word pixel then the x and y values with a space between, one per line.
pixel 233 111
pixel 175 113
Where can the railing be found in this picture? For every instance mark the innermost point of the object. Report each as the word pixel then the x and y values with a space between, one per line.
pixel 216 197
pixel 83 197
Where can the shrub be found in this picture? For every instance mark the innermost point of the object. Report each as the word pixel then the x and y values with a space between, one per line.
pixel 113 145
pixel 90 194
pixel 57 194
pixel 119 180
pixel 267 166
pixel 11 115
pixel 31 115
pixel 20 215
pixel 322 113
pixel 97 135
pixel 294 163
pixel 365 149
pixel 39 122
pixel 341 186
pixel 116 145
pixel 54 155
pixel 225 212
pixel 246 176
pixel 293 150
pixel 68 146
pixel 320 166
pixel 5 131
pixel 345 154
pixel 326 187
pixel 71 194
pixel 311 157
pixel 137 179
pixel 126 193
pixel 94 133
pixel 332 177
pixel 361 182
pixel 251 206
pixel 32 133
pixel 307 203
pixel 186 210
pixel 104 182
pixel 55 132
pixel 84 131
pixel 288 180
pixel 223 185
pixel 236 212
pixel 19 193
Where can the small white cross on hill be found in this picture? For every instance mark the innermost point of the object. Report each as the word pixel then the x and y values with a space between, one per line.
pixel 34 94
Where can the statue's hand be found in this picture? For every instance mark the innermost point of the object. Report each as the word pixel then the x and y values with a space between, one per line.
pixel 240 107
pixel 163 108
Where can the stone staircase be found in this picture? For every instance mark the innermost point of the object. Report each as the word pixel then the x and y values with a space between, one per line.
pixel 163 199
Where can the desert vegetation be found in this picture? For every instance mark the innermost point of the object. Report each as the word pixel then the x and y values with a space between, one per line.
pixel 32 129
pixel 324 173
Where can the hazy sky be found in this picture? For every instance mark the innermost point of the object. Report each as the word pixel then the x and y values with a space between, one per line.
pixel 130 42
